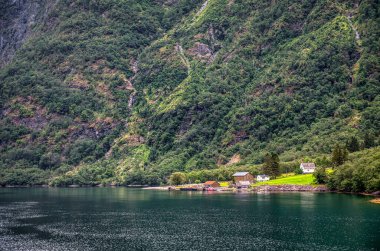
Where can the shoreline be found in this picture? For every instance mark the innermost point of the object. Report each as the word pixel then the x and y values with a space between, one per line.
pixel 257 189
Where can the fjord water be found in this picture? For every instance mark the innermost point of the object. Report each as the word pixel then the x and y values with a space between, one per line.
pixel 136 219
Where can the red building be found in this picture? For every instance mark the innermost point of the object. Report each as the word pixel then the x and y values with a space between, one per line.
pixel 211 183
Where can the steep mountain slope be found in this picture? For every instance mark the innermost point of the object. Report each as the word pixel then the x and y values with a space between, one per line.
pixel 126 92
pixel 17 20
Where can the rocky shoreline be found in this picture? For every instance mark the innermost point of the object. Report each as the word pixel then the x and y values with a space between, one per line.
pixel 262 188
pixel 258 189
pixel 290 188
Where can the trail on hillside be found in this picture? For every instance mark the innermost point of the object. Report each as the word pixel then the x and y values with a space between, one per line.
pixel 135 69
pixel 184 59
pixel 357 39
pixel 203 7
pixel 357 35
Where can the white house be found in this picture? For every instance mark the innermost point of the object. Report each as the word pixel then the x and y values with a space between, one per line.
pixel 262 177
pixel 307 167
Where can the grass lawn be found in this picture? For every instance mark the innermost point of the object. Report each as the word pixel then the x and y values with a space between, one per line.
pixel 224 183
pixel 329 170
pixel 302 179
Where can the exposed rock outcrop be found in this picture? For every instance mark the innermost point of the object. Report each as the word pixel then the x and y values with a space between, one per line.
pixel 201 51
pixel 17 20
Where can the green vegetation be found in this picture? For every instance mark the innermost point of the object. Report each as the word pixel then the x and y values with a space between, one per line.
pixel 129 92
pixel 320 175
pixel 339 155
pixel 353 145
pixel 177 178
pixel 361 173
pixel 271 165
pixel 23 177
pixel 302 179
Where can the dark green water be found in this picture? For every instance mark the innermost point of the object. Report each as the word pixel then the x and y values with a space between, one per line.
pixel 134 219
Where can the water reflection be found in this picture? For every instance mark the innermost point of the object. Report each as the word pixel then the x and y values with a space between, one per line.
pixel 135 219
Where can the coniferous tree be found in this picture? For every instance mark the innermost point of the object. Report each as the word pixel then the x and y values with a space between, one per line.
pixel 335 155
pixel 339 155
pixel 320 175
pixel 275 165
pixel 271 165
pixel 353 145
pixel 344 155
pixel 368 141
pixel 267 164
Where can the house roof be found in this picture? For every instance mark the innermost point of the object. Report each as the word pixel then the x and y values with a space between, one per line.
pixel 243 183
pixel 308 165
pixel 239 174
pixel 262 176
pixel 210 182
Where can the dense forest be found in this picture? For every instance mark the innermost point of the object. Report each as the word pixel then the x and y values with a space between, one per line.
pixel 129 92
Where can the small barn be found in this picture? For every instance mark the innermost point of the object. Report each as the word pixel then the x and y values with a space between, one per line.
pixel 307 167
pixel 243 176
pixel 262 177
pixel 211 183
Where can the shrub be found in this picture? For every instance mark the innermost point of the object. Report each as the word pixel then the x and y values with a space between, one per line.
pixel 320 175
pixel 21 177
pixel 177 178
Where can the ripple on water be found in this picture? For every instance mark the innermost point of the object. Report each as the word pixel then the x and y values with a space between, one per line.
pixel 198 223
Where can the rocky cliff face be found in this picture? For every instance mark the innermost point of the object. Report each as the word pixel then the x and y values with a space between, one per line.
pixel 18 18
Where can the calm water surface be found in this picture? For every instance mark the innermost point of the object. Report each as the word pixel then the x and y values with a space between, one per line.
pixel 135 219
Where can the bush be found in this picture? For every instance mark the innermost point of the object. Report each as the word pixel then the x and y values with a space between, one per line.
pixel 177 178
pixel 50 161
pixel 320 175
pixel 298 170
pixel 22 177
pixel 81 149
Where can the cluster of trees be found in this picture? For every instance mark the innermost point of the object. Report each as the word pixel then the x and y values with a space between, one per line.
pixel 23 177
pixel 353 144
pixel 220 174
pixel 355 172
pixel 361 173
pixel 340 153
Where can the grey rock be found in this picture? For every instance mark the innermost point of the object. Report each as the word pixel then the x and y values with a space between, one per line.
pixel 17 22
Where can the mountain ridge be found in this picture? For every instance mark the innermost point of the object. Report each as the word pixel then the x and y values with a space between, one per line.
pixel 158 87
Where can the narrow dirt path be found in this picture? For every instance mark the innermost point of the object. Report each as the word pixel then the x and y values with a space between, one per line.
pixel 357 35
pixel 135 69
pixel 203 7
pixel 184 59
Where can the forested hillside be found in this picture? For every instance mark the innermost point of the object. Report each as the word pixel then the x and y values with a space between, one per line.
pixel 128 92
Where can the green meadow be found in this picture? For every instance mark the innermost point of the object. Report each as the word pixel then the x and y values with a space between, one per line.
pixel 302 179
